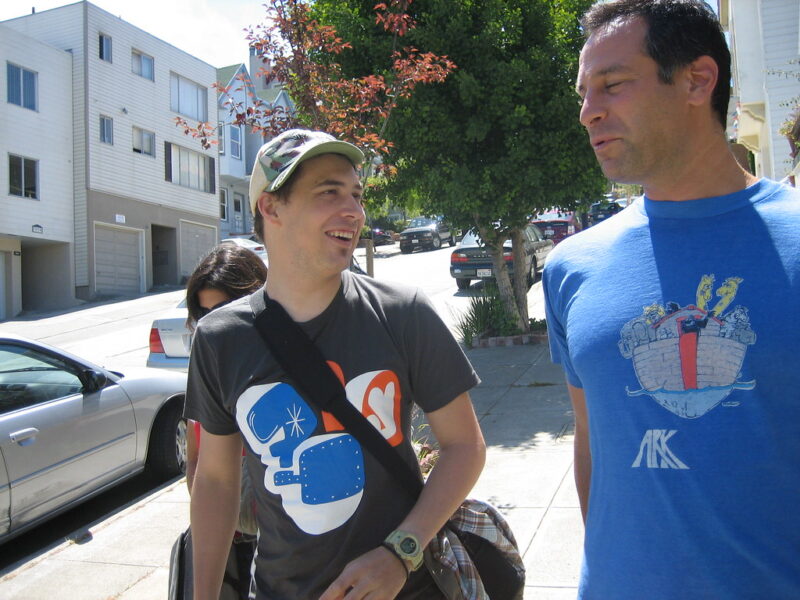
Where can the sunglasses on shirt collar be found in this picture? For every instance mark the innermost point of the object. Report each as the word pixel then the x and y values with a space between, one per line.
pixel 203 311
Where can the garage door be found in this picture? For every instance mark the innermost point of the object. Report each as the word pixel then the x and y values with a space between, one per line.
pixel 3 288
pixel 117 260
pixel 196 241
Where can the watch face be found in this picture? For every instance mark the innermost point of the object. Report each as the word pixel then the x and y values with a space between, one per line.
pixel 408 545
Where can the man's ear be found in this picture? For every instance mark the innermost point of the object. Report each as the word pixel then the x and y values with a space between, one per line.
pixel 268 205
pixel 702 76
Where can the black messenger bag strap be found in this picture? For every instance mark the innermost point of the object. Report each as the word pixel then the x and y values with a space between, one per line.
pixel 305 364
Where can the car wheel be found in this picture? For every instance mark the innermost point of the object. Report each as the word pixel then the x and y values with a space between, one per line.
pixel 436 242
pixel 405 249
pixel 532 275
pixel 463 284
pixel 166 455
pixel 452 240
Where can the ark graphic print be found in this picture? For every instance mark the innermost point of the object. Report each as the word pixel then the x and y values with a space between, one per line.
pixel 310 462
pixel 689 358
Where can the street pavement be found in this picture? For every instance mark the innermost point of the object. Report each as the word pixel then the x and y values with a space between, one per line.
pixel 526 418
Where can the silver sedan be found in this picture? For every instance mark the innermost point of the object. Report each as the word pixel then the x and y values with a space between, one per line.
pixel 70 429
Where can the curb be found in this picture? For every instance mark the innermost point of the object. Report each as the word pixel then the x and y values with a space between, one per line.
pixel 510 340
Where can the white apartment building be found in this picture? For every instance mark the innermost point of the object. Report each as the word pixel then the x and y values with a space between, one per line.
pixel 144 203
pixel 36 175
pixel 765 44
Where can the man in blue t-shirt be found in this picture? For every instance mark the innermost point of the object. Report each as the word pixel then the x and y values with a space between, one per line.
pixel 678 325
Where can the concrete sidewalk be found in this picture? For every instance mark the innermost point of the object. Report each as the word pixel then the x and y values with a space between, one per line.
pixel 525 414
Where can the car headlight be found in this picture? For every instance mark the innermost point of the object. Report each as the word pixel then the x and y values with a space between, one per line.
pixel 428 234
pixel 403 236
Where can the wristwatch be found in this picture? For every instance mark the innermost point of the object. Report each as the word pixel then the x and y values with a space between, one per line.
pixel 406 547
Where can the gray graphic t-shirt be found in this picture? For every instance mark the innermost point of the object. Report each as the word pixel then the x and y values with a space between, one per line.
pixel 322 499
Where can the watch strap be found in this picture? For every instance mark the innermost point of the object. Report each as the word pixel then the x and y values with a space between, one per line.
pixel 393 550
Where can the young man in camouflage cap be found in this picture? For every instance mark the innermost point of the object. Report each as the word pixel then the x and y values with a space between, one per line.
pixel 332 521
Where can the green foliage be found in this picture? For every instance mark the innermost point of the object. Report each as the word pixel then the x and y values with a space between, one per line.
pixel 500 139
pixel 486 316
pixel 425 446
pixel 538 326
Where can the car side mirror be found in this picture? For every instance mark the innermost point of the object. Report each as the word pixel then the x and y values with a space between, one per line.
pixel 93 381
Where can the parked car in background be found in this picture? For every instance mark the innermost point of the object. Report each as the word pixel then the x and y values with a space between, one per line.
pixel 70 429
pixel 557 225
pixel 170 340
pixel 600 211
pixel 378 236
pixel 472 260
pixel 426 232
pixel 256 247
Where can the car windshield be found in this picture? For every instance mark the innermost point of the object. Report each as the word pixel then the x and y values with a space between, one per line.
pixel 421 222
pixel 473 239
pixel 244 242
pixel 553 216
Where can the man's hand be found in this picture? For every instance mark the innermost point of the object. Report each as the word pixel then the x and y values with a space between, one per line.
pixel 376 575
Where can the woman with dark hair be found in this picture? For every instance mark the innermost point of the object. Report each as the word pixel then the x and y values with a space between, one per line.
pixel 228 272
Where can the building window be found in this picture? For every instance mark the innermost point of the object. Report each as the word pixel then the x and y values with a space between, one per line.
pixel 189 168
pixel 22 176
pixel 221 138
pixel 106 130
pixel 223 204
pixel 105 47
pixel 144 142
pixel 188 98
pixel 236 141
pixel 21 85
pixel 238 201
pixel 143 65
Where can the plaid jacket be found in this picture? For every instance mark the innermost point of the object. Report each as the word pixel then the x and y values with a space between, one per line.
pixel 482 519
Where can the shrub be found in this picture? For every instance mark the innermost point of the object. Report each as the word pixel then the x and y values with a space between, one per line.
pixel 538 326
pixel 486 316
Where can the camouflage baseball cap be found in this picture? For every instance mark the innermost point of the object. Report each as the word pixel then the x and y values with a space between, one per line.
pixel 278 158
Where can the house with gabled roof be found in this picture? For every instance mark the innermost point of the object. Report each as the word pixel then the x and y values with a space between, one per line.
pixel 235 145
pixel 238 144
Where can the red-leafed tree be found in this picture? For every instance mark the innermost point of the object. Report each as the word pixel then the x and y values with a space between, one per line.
pixel 300 54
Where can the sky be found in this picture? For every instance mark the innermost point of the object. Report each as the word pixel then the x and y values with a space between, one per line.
pixel 211 30
pixel 208 29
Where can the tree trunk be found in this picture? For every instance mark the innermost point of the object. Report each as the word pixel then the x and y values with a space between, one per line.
pixel 494 244
pixel 504 285
pixel 521 271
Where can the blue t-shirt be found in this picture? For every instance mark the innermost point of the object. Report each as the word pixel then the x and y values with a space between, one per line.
pixel 681 322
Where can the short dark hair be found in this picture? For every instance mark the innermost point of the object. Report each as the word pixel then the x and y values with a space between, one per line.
pixel 678 33
pixel 282 194
pixel 229 268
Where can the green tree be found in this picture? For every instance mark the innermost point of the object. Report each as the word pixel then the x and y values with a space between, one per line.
pixel 499 140
pixel 302 54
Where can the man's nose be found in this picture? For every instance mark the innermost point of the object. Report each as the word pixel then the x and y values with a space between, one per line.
pixel 591 110
pixel 353 206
